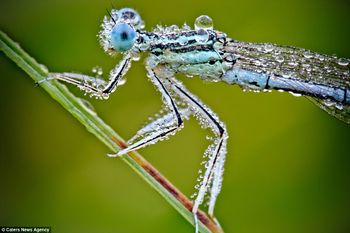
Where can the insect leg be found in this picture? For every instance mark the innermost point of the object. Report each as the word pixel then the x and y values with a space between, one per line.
pixel 94 86
pixel 216 152
pixel 156 76
pixel 161 122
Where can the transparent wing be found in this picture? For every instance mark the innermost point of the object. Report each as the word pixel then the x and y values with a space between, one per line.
pixel 287 61
pixel 340 112
pixel 310 73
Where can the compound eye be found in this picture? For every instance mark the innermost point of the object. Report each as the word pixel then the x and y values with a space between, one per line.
pixel 131 16
pixel 123 37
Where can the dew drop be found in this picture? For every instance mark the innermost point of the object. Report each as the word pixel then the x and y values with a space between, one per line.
pixel 295 94
pixel 343 61
pixel 204 22
pixel 308 54
pixel 173 28
pixel 293 64
pixel 121 81
pixel 339 106
pixel 268 48
pixel 99 71
pixel 135 56
pixel 287 74
pixel 229 58
pixel 280 59
pixel 257 63
pixel 329 103
pixel 185 27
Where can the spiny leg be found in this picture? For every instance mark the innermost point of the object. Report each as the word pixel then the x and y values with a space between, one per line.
pixel 215 152
pixel 92 85
pixel 156 76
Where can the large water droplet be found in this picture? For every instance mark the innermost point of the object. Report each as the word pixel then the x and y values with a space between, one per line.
pixel 343 61
pixel 204 22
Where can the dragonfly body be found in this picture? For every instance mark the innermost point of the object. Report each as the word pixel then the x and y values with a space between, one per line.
pixel 213 56
pixel 263 66
pixel 253 66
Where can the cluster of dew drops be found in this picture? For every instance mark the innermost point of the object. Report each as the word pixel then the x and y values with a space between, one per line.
pixel 202 24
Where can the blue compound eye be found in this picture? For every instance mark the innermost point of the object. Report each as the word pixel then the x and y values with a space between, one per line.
pixel 123 37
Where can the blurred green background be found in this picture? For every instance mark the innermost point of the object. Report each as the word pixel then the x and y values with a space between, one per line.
pixel 287 167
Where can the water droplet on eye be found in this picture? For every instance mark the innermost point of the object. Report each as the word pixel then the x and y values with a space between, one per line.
pixel 308 54
pixel 268 48
pixel 204 22
pixel 202 35
pixel 343 61
pixel 280 59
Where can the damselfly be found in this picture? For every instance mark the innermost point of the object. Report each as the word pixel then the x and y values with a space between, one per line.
pixel 213 56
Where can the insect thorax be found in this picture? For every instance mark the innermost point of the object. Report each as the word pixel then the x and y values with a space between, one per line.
pixel 193 53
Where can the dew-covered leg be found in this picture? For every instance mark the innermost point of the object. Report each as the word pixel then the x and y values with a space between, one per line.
pixel 167 125
pixel 212 178
pixel 164 121
pixel 92 85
